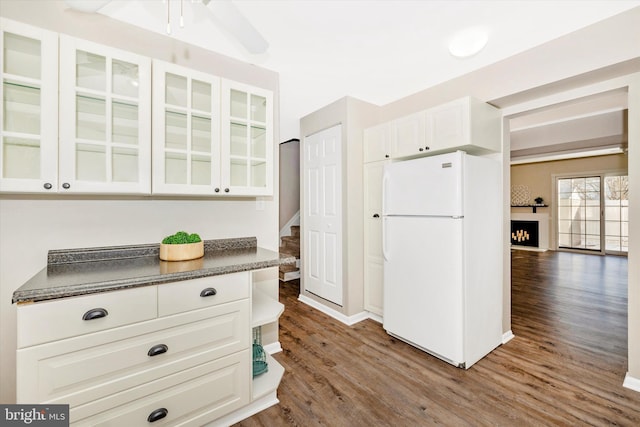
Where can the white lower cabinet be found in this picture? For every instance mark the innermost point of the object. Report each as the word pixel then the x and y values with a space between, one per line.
pixel 192 397
pixel 172 354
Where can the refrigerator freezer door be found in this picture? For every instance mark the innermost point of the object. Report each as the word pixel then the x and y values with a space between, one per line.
pixel 430 186
pixel 423 297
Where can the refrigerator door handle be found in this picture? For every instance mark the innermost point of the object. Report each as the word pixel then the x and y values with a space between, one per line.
pixel 385 255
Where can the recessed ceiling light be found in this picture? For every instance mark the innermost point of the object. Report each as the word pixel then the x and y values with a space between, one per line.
pixel 468 42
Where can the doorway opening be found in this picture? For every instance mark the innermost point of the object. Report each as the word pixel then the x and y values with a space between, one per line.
pixel 541 129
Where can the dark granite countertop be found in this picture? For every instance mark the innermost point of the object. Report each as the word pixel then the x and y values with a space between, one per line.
pixel 85 271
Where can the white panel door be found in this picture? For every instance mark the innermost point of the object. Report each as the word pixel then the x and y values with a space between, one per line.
pixel 322 258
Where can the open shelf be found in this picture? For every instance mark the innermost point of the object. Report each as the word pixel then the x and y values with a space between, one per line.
pixel 264 309
pixel 534 207
pixel 269 381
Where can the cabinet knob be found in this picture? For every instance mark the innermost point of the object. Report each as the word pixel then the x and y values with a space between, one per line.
pixel 158 414
pixel 426 148
pixel 48 186
pixel 217 190
pixel 386 156
pixel 226 190
pixel 95 313
pixel 421 149
pixel 376 216
pixel 157 349
pixel 66 185
pixel 208 292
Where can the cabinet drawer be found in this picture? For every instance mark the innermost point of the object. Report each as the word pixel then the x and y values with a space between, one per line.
pixel 60 373
pixel 194 397
pixel 183 296
pixel 53 320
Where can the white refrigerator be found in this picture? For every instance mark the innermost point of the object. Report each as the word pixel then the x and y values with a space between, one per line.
pixel 442 245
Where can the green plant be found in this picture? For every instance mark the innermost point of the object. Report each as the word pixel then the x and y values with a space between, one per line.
pixel 181 238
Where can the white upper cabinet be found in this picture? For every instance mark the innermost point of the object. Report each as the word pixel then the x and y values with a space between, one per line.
pixel 29 92
pixel 247 140
pixel 186 131
pixel 464 124
pixel 409 137
pixel 377 143
pixel 76 117
pixel 105 116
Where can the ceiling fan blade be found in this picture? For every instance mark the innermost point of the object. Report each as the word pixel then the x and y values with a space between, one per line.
pixel 235 23
pixel 89 6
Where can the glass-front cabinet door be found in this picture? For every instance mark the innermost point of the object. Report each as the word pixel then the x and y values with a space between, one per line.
pixel 247 140
pixel 186 131
pixel 105 116
pixel 29 113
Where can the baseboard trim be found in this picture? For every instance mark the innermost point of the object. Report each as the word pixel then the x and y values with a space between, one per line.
pixel 631 383
pixel 347 320
pixel 375 317
pixel 528 248
pixel 507 336
pixel 273 348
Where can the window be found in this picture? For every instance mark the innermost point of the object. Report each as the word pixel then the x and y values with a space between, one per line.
pixel 616 212
pixel 593 213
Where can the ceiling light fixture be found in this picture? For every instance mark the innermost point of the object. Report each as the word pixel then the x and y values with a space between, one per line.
pixel 88 6
pixel 468 42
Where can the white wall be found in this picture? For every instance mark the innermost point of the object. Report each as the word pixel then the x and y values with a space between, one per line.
pixel 634 230
pixel 354 115
pixel 289 181
pixel 31 225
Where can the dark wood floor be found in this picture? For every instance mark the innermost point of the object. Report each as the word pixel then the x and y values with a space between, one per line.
pixel 565 365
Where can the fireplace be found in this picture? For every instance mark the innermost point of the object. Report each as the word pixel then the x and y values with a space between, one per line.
pixel 525 233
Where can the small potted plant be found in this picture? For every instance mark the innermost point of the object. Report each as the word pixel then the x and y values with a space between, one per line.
pixel 181 246
pixel 539 200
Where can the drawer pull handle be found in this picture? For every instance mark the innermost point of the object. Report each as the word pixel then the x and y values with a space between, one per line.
pixel 157 349
pixel 95 313
pixel 158 414
pixel 208 292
